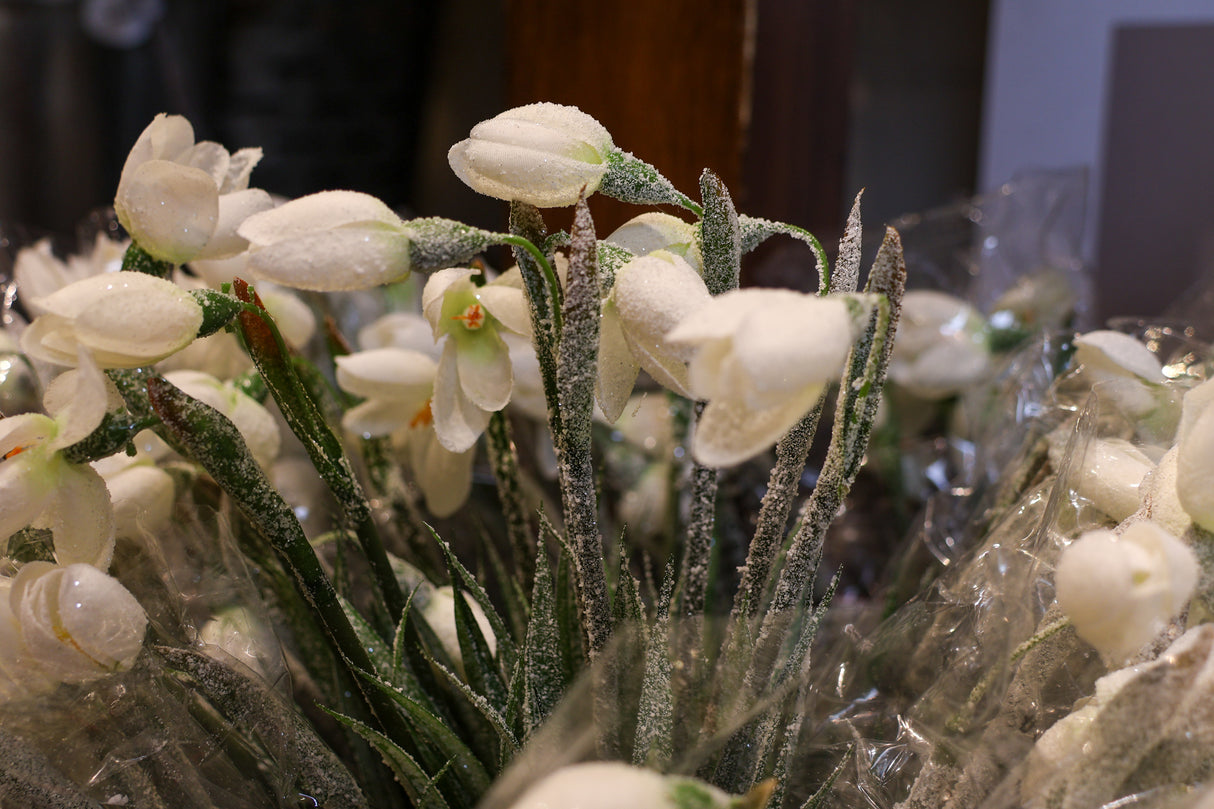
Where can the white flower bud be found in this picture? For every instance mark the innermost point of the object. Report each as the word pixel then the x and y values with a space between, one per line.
pixel 123 319
pixel 611 784
pixel 256 425
pixel 940 349
pixel 1120 591
pixel 543 154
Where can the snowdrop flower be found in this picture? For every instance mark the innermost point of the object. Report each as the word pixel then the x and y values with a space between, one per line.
pixel 1161 498
pixel 398 387
pixel 606 785
pixel 941 347
pixel 141 492
pixel 39 487
pixel 256 425
pixel 76 623
pixel 762 359
pixel 657 230
pixel 1111 475
pixel 20 677
pixel 439 612
pixel 181 200
pixel 122 319
pixel 236 633
pixel 38 272
pixel 474 376
pixel 1120 591
pixel 651 295
pixel 329 241
pixel 543 154
pixel 1125 369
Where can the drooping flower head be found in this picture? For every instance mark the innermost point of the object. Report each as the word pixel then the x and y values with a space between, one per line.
pixel 180 199
pixel 543 154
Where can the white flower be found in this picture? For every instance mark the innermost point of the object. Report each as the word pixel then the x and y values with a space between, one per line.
pixel 329 241
pixel 763 357
pixel 439 612
pixel 239 636
pixel 1120 591
pixel 256 425
pixel 543 154
pixel 607 785
pixel 39 273
pixel 142 493
pixel 941 347
pixel 398 386
pixel 76 623
pixel 180 199
pixel 657 230
pixel 474 375
pixel 1195 455
pixel 123 320
pixel 39 487
pixel 651 295
pixel 1126 370
pixel 1111 473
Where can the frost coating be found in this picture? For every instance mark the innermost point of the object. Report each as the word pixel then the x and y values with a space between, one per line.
pixel 542 154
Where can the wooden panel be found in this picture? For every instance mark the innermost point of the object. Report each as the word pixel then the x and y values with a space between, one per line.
pixel 666 78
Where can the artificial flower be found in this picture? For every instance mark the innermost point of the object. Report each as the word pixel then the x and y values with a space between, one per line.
pixel 657 230
pixel 651 295
pixel 762 358
pixel 543 154
pixel 39 487
pixel 258 428
pixel 1125 371
pixel 608 784
pixel 38 272
pixel 76 623
pixel 1120 590
pixel 141 492
pixel 122 319
pixel 1110 474
pixel 474 376
pixel 1195 455
pixel 329 241
pixel 182 200
pixel 941 347
pixel 398 386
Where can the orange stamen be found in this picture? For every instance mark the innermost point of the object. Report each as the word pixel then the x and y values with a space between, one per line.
pixel 14 451
pixel 424 417
pixel 473 317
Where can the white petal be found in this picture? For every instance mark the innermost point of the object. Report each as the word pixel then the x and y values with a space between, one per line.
pixel 130 323
pixel 379 417
pixel 1195 470
pixel 208 156
pixel 240 166
pixel 351 257
pixel 483 363
pixel 169 209
pixel 27 481
pixel 234 209
pixel 654 294
pixel 657 230
pixel 437 285
pixel 723 314
pixel 143 498
pixel 38 273
pixel 316 212
pixel 1111 475
pixel 401 330
pixel 394 373
pixel 36 594
pixel 78 400
pixel 101 617
pixel 508 305
pixel 667 369
pixel 457 421
pixel 793 343
pixel 81 517
pixel 617 368
pixel 165 138
pixel 1117 352
pixel 444 477
pixel 729 432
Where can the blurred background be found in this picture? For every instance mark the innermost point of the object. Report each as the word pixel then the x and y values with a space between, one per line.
pixel 796 104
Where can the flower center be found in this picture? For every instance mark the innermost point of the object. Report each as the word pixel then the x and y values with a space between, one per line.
pixel 14 452
pixel 423 417
pixel 473 317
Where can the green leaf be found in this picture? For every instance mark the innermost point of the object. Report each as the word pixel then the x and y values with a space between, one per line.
pixel 544 671
pixel 506 735
pixel 756 231
pixel 248 706
pixel 655 714
pixel 218 310
pixel 481 668
pixel 461 577
pixel 378 650
pixel 136 259
pixel 439 743
pixel 632 180
pixel 720 236
pixel 418 785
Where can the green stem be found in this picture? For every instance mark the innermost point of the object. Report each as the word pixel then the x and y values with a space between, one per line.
pixel 503 456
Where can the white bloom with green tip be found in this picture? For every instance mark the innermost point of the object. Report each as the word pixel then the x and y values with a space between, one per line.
pixel 328 242
pixel 1120 590
pixel 39 487
pixel 122 320
pixel 762 359
pixel 181 200
pixel 543 154
pixel 657 230
pixel 474 376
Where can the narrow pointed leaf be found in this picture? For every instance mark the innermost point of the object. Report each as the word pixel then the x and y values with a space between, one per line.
pixel 494 717
pixel 377 649
pixel 480 666
pixel 545 673
pixel 417 784
pixel 720 236
pixel 462 577
pixel 756 231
